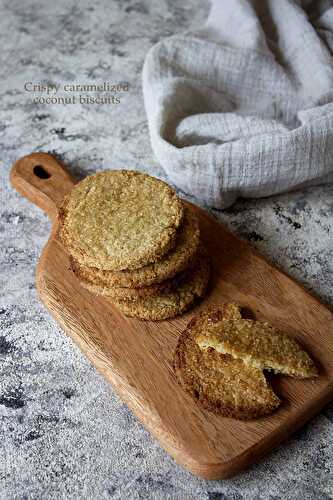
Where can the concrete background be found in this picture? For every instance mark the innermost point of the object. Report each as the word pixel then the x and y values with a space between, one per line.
pixel 64 433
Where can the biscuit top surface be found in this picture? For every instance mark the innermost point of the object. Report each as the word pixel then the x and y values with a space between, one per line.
pixel 121 218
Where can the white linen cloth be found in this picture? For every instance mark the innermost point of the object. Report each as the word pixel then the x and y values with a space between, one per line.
pixel 244 106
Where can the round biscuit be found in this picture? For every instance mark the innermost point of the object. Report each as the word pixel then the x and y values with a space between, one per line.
pixel 170 265
pixel 169 305
pixel 123 293
pixel 119 220
pixel 218 382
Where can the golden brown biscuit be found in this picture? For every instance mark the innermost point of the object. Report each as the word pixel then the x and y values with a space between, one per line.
pixel 169 305
pixel 123 293
pixel 258 344
pixel 119 219
pixel 170 265
pixel 218 382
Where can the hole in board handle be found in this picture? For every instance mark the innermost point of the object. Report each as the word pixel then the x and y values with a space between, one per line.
pixel 40 172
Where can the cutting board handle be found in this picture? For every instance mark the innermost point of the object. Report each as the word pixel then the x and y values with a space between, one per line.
pixel 43 180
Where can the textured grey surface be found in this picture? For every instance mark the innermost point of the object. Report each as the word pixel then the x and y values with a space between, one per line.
pixel 63 432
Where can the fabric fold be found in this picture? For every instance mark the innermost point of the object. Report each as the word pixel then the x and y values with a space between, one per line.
pixel 244 106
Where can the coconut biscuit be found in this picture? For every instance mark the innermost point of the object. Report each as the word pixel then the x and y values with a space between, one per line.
pixel 119 220
pixel 218 382
pixel 169 305
pixel 258 344
pixel 122 293
pixel 170 265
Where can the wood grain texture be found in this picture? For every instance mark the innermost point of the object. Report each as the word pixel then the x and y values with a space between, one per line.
pixel 136 356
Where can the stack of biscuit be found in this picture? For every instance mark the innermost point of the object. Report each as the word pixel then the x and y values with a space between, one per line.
pixel 130 238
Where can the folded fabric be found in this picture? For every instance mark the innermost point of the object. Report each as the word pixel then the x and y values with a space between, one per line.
pixel 244 106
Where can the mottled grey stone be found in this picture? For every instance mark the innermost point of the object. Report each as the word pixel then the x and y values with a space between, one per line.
pixel 64 433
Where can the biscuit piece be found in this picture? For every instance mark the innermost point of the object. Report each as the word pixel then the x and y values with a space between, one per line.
pixel 169 305
pixel 259 345
pixel 173 263
pixel 220 383
pixel 119 219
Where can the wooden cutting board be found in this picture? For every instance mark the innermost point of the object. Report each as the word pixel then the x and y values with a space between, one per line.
pixel 136 356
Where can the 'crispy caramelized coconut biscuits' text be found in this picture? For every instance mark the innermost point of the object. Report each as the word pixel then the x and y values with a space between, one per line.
pixel 119 220
pixel 170 265
pixel 258 344
pixel 218 382
pixel 169 305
